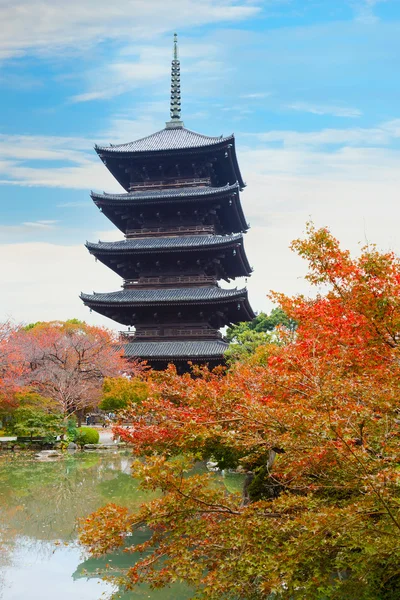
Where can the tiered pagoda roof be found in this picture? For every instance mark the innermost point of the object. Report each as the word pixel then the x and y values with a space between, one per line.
pixel 173 142
pixel 173 194
pixel 173 351
pixel 183 224
pixel 171 138
pixel 220 205
pixel 231 256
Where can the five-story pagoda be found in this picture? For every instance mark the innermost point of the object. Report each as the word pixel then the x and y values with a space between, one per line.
pixel 183 225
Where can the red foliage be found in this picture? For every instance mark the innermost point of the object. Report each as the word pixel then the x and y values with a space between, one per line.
pixel 10 366
pixel 68 361
pixel 315 419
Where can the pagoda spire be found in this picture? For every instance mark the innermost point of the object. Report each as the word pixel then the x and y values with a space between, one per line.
pixel 175 109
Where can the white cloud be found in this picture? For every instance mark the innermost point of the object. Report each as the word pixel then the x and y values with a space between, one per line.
pixel 148 65
pixel 30 294
pixel 20 164
pixel 256 95
pixel 117 78
pixel 325 109
pixel 365 11
pixel 109 235
pixel 50 27
pixel 44 224
pixel 27 229
pixel 71 205
pixel 381 135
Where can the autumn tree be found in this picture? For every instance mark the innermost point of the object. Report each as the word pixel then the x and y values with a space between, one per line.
pixel 68 361
pixel 120 392
pixel 312 422
pixel 10 366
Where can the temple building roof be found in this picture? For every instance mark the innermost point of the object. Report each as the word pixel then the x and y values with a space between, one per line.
pixel 121 207
pixel 176 349
pixel 161 296
pixel 170 138
pixel 164 243
pixel 166 193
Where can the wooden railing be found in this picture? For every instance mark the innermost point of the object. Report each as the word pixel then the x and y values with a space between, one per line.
pixel 171 280
pixel 173 182
pixel 177 333
pixel 170 231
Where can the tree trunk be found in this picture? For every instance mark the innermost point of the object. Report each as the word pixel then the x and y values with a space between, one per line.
pixel 79 416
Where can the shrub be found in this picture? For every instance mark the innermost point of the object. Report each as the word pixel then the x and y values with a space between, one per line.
pixel 35 423
pixel 71 429
pixel 87 435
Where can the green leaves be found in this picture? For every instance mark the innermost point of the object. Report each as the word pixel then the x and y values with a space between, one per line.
pixel 33 422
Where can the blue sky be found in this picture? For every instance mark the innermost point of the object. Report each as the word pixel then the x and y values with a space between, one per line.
pixel 310 88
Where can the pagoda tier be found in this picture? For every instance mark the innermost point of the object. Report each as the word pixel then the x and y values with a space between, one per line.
pixel 154 210
pixel 159 353
pixel 138 259
pixel 204 305
pixel 173 156
pixel 183 224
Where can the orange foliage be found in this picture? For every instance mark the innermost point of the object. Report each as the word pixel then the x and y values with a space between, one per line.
pixel 313 421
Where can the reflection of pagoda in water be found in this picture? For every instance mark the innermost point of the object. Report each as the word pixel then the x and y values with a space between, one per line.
pixel 183 224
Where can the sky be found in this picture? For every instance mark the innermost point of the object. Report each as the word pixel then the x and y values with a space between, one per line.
pixel 310 88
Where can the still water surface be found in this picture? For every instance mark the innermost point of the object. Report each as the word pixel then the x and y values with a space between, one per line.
pixel 40 503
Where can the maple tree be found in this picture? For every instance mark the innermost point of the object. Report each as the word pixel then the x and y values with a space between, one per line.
pixel 312 422
pixel 10 366
pixel 68 361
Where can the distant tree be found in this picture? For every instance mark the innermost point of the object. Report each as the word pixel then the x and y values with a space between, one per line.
pixel 263 323
pixel 246 337
pixel 121 392
pixel 33 422
pixel 67 322
pixel 246 342
pixel 68 361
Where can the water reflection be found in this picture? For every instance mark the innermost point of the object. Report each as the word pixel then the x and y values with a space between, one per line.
pixel 40 503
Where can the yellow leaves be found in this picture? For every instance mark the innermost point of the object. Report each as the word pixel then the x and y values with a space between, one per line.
pixel 105 529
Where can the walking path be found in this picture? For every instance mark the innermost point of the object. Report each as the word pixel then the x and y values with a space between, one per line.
pixel 106 436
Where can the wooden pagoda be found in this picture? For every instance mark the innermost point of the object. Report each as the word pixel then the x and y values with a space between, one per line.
pixel 183 225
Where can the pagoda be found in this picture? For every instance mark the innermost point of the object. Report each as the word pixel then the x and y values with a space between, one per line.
pixel 183 225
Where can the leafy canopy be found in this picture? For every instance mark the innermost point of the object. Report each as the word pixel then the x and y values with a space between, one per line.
pixel 121 392
pixel 246 337
pixel 263 323
pixel 314 423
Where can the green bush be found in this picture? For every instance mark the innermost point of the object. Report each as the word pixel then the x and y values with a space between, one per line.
pixel 35 423
pixel 71 429
pixel 87 435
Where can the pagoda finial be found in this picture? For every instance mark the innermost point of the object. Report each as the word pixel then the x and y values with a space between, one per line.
pixel 175 109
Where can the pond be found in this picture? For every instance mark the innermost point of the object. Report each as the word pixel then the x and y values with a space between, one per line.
pixel 40 503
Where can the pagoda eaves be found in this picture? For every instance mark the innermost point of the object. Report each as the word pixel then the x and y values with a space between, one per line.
pixel 171 149
pixel 219 206
pixel 133 256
